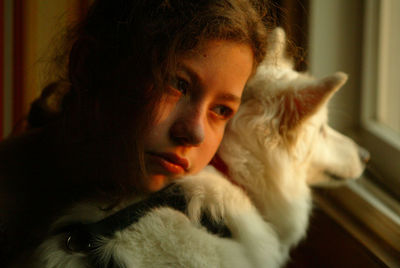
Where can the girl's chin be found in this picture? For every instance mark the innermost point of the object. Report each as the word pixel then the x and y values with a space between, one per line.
pixel 155 183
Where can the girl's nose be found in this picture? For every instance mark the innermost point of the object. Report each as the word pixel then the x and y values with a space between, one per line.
pixel 188 130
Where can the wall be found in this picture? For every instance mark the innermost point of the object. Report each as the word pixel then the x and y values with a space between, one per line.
pixel 28 29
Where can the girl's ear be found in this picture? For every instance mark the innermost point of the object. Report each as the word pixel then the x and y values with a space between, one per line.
pixel 300 104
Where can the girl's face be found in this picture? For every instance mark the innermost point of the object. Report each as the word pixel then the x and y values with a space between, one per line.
pixel 191 118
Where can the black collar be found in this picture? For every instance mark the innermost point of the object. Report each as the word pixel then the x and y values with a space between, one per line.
pixel 80 237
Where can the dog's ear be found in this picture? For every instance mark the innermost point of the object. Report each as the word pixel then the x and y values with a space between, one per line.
pixel 276 50
pixel 302 103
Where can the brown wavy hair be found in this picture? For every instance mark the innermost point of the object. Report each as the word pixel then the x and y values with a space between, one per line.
pixel 118 60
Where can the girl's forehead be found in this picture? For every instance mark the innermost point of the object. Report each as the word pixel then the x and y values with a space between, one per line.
pixel 211 47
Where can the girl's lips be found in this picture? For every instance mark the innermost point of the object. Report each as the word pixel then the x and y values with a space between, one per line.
pixel 171 162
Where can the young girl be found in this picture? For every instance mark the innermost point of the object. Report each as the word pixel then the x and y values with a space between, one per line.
pixel 148 89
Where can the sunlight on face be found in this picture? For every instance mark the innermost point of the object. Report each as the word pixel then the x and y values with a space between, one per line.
pixel 191 119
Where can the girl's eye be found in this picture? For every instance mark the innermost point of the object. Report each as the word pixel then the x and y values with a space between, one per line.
pixel 181 85
pixel 223 111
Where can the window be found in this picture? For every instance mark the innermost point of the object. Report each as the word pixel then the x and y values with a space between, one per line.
pixel 381 91
pixel 360 38
pixel 388 86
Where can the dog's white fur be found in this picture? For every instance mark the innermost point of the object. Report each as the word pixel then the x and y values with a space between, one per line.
pixel 168 238
pixel 276 146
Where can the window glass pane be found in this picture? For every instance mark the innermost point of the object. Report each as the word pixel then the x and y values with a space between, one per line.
pixel 388 97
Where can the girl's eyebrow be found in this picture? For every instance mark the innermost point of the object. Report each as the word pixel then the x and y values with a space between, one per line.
pixel 230 97
pixel 188 70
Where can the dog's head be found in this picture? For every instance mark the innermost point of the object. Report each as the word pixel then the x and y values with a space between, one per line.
pixel 283 118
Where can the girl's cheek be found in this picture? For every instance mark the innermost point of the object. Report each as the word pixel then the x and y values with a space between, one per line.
pixel 165 108
pixel 216 141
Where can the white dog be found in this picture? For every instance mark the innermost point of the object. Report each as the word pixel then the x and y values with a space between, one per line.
pixel 279 143
pixel 276 146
